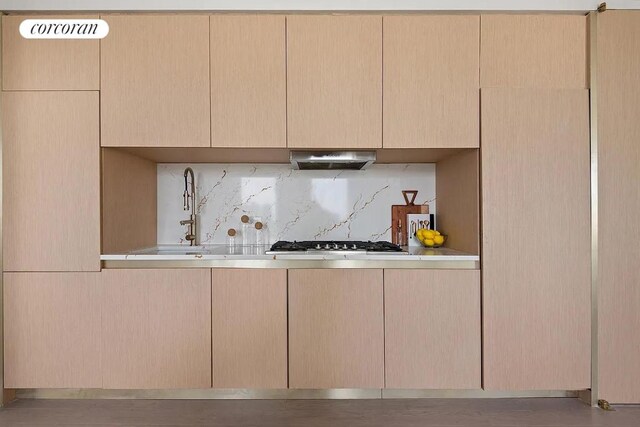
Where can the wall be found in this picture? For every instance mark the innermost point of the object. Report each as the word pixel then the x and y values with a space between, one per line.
pixel 294 205
pixel 119 5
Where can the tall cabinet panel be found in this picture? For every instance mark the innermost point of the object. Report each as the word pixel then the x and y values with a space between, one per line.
pixel 156 328
pixel 29 64
pixel 619 202
pixel 248 81
pixel 334 81
pixel 431 81
pixel 52 330
pixel 154 81
pixel 51 180
pixel 536 239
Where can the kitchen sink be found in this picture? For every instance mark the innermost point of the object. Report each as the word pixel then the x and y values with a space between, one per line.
pixel 174 250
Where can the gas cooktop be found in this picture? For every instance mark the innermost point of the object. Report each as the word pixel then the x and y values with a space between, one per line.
pixel 333 247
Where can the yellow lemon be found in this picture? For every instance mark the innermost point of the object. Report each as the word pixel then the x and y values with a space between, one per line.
pixel 420 233
pixel 437 232
pixel 438 240
pixel 429 234
pixel 428 242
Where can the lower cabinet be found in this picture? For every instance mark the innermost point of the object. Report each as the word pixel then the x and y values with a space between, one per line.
pixel 432 329
pixel 243 328
pixel 156 329
pixel 249 308
pixel 52 330
pixel 336 330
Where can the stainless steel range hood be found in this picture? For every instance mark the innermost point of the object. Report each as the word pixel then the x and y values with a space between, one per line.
pixel 331 160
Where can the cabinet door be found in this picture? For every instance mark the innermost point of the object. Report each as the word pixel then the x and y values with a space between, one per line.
pixel 156 328
pixel 52 330
pixel 249 309
pixel 51 173
pixel 536 239
pixel 334 81
pixel 619 204
pixel 527 51
pixel 248 81
pixel 29 64
pixel 432 329
pixel 336 331
pixel 155 81
pixel 431 87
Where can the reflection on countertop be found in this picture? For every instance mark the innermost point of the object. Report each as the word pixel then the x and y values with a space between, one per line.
pixel 247 253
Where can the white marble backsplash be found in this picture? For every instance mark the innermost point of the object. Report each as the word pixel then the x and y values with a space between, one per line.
pixel 294 205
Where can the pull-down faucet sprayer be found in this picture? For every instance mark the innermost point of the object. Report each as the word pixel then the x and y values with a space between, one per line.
pixel 189 202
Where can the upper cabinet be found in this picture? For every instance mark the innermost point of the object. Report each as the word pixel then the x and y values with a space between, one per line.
pixel 51 160
pixel 431 82
pixel 533 51
pixel 29 64
pixel 248 81
pixel 155 81
pixel 334 81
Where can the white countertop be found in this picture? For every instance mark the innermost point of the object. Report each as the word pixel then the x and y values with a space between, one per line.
pixel 246 253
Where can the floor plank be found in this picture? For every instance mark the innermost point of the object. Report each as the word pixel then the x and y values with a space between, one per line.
pixel 316 413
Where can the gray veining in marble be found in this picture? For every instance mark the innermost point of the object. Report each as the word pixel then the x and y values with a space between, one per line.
pixel 294 205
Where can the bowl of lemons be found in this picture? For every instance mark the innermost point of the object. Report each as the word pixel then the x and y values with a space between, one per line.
pixel 431 238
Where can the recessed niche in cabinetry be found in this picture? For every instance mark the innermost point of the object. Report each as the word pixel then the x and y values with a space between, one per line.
pixel 135 207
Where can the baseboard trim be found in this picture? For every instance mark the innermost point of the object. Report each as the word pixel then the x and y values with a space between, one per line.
pixel 75 393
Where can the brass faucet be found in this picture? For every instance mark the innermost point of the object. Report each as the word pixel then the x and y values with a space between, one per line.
pixel 189 202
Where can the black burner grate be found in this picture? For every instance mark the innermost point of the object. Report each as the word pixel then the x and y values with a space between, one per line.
pixel 335 245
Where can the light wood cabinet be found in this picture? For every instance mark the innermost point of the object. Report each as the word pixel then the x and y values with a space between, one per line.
pixel 432 329
pixel 249 309
pixel 248 81
pixel 533 51
pixel 30 64
pixel 52 330
pixel 51 217
pixel 155 81
pixel 156 328
pixel 336 331
pixel 129 201
pixel 334 81
pixel 536 239
pixel 618 68
pixel 458 190
pixel 431 81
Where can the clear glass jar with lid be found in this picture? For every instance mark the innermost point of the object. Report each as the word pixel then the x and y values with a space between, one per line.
pixel 231 240
pixel 260 234
pixel 246 231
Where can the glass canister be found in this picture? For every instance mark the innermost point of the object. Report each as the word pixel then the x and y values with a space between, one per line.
pixel 231 240
pixel 246 231
pixel 260 234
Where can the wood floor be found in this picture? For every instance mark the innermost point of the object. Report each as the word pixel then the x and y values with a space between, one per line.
pixel 312 413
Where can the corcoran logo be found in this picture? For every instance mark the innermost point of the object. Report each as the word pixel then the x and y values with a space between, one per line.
pixel 64 28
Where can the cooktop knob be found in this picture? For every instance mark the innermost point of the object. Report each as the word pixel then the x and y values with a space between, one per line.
pixel 327 246
pixel 354 246
pixel 318 246
pixel 345 246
